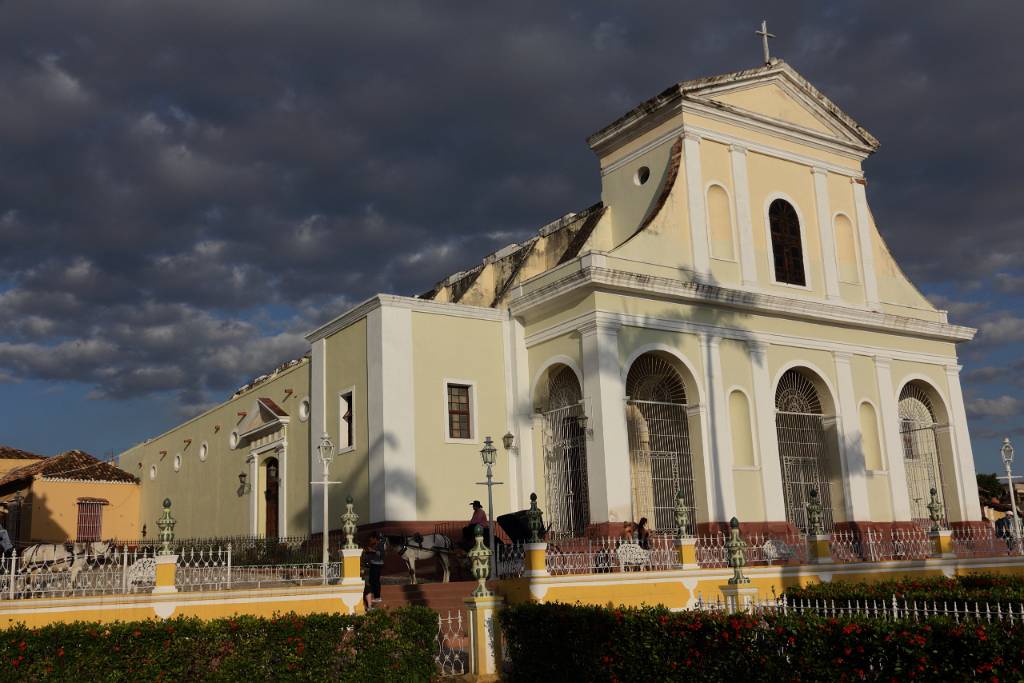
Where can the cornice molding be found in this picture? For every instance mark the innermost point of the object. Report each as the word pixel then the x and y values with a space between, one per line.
pixel 697 292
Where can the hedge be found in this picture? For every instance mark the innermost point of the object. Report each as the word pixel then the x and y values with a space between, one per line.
pixel 382 645
pixel 565 642
pixel 981 588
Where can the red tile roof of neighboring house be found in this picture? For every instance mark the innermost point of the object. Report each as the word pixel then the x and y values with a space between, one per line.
pixel 75 465
pixel 11 453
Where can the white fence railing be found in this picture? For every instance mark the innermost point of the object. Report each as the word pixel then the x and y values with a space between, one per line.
pixel 916 610
pixel 880 546
pixel 451 645
pixel 510 559
pixel 603 555
pixel 763 548
pixel 984 542
pixel 54 571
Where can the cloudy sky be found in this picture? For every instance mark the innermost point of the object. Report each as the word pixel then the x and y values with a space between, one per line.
pixel 188 187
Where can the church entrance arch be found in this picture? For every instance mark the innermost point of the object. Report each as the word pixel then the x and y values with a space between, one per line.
pixel 921 461
pixel 803 423
pixel 563 425
pixel 661 464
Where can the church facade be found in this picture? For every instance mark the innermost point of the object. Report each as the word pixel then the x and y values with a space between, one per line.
pixel 726 325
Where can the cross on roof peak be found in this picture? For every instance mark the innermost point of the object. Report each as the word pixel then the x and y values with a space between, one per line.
pixel 764 40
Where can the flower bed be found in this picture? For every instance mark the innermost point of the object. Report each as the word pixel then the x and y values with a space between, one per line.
pixel 981 588
pixel 563 642
pixel 381 645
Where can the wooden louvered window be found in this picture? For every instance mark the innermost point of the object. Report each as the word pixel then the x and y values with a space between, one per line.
pixel 458 412
pixel 787 248
pixel 90 519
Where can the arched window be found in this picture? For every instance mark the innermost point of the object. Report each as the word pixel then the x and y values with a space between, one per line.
pixel 787 249
pixel 659 441
pixel 800 426
pixel 565 453
pixel 920 450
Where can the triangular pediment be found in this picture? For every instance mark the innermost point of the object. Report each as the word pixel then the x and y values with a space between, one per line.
pixel 777 95
pixel 262 414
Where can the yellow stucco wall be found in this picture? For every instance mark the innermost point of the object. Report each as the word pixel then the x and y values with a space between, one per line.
pixel 54 512
pixel 458 350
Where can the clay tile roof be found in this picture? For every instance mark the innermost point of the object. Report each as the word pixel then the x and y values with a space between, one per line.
pixel 11 453
pixel 273 407
pixel 75 465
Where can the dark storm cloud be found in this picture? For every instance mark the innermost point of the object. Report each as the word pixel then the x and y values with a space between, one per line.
pixel 169 172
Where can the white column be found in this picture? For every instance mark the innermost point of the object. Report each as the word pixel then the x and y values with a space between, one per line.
pixel 521 411
pixel 390 418
pixel 317 426
pixel 608 450
pixel 767 436
pixel 855 483
pixel 828 242
pixel 890 419
pixel 867 244
pixel 741 196
pixel 722 504
pixel 967 482
pixel 512 464
pixel 695 201
pixel 282 487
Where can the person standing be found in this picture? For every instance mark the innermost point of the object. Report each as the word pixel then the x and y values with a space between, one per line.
pixel 375 549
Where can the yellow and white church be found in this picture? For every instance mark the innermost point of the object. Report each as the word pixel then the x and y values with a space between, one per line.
pixel 726 322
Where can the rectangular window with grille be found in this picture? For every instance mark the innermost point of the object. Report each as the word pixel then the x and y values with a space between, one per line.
pixel 90 520
pixel 459 418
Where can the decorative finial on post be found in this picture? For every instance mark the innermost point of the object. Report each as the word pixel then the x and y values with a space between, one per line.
pixel 166 525
pixel 736 548
pixel 682 513
pixel 814 527
pixel 935 510
pixel 348 525
pixel 480 560
pixel 764 40
pixel 535 520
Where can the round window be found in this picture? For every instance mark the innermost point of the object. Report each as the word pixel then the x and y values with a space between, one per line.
pixel 203 450
pixel 642 175
pixel 304 409
pixel 177 462
pixel 152 471
pixel 233 439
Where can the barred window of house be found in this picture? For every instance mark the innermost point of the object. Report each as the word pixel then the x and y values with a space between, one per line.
pixel 458 412
pixel 90 519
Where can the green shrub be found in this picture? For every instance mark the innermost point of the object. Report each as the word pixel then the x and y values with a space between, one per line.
pixel 382 645
pixel 574 643
pixel 981 588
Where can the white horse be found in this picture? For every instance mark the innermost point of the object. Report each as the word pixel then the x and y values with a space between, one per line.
pixel 57 558
pixel 420 547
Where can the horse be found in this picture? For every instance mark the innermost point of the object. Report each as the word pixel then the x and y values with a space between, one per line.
pixel 424 547
pixel 57 558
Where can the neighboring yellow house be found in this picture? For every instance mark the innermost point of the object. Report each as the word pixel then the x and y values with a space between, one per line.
pixel 71 496
pixel 726 322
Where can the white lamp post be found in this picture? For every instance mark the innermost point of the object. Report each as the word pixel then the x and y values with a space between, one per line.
pixel 489 454
pixel 1007 452
pixel 325 449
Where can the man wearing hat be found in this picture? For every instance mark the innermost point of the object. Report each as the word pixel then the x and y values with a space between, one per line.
pixel 469 531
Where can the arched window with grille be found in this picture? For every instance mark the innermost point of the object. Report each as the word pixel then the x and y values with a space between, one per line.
pixel 565 454
pixel 920 450
pixel 800 426
pixel 787 244
pixel 659 442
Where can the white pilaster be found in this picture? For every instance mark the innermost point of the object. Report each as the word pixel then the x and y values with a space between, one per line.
pixel 867 247
pixel 767 436
pixel 724 498
pixel 893 447
pixel 608 450
pixel 317 425
pixel 855 483
pixel 828 243
pixel 741 195
pixel 695 201
pixel 966 482
pixel 521 412
pixel 390 418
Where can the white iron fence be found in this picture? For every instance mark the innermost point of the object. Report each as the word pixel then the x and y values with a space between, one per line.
pixel 451 651
pixel 510 559
pixel 881 546
pixel 916 610
pixel 54 571
pixel 984 542
pixel 763 548
pixel 604 555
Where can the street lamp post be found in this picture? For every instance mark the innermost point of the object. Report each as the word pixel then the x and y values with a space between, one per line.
pixel 325 449
pixel 489 454
pixel 1007 452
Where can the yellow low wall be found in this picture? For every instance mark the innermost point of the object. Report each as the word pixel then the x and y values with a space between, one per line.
pixel 682 588
pixel 264 602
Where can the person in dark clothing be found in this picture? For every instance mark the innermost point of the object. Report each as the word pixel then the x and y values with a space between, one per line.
pixel 375 550
pixel 643 534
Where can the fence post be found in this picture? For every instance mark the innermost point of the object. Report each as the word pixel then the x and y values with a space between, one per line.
pixel 819 550
pixel 124 570
pixel 739 595
pixel 14 571
pixel 166 562
pixel 229 565
pixel 484 636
